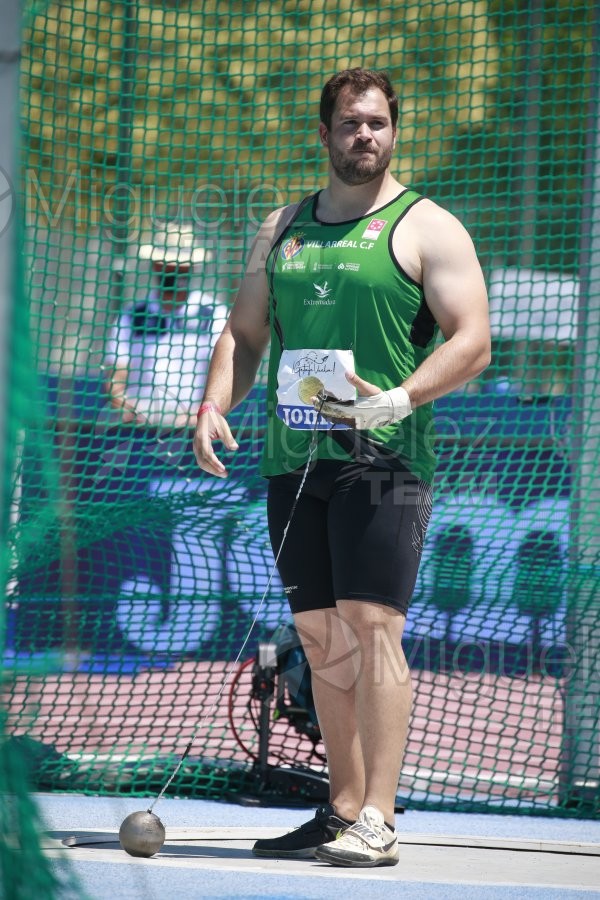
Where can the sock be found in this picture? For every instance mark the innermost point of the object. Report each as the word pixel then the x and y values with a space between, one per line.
pixel 347 821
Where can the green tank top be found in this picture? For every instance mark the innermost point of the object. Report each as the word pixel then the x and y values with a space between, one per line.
pixel 337 286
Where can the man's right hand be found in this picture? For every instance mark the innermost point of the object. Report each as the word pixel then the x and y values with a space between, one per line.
pixel 212 426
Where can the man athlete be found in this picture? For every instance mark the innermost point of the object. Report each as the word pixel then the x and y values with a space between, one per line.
pixel 357 280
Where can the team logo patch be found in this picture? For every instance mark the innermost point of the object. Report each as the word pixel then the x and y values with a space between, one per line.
pixel 292 247
pixel 374 228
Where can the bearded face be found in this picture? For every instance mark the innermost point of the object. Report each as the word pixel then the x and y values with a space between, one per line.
pixel 359 166
pixel 361 139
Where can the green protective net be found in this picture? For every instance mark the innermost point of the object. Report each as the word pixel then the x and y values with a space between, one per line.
pixel 26 872
pixel 156 137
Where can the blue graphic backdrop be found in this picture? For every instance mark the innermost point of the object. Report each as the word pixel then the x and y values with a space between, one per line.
pixel 182 565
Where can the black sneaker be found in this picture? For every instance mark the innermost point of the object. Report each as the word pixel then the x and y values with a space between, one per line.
pixel 302 842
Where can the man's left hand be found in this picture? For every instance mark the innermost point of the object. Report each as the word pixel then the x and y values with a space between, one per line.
pixel 372 409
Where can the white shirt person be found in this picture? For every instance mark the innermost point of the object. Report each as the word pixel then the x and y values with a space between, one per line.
pixel 157 354
pixel 159 360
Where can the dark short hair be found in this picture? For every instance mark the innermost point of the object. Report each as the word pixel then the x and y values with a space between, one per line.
pixel 359 81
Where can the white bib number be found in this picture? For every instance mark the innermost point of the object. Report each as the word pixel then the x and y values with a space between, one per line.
pixel 302 374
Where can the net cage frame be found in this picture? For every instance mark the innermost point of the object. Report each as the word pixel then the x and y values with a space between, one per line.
pixel 106 626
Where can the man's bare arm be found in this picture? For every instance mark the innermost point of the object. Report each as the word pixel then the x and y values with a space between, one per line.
pixel 240 348
pixel 456 295
pixel 116 388
pixel 444 258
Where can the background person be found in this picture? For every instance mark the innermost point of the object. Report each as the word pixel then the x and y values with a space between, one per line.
pixel 157 361
pixel 362 275
pixel 157 356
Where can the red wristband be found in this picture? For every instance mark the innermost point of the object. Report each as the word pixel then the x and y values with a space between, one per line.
pixel 209 406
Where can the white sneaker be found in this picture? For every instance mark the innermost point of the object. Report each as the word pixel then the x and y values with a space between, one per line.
pixel 369 842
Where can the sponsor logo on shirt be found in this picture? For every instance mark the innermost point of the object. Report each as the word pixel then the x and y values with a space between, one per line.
pixel 305 418
pixel 345 244
pixel 297 265
pixel 322 296
pixel 349 267
pixel 374 228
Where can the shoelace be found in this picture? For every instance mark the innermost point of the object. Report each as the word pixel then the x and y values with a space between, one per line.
pixel 322 816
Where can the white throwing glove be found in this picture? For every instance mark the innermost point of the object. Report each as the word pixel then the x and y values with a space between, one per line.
pixel 369 412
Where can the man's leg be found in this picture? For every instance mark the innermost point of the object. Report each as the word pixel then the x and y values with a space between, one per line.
pixel 377 521
pixel 362 691
pixel 332 655
pixel 305 569
pixel 382 710
pixel 334 658
pixel 383 698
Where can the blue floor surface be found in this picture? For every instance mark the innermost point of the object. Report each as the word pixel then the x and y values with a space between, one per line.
pixel 110 881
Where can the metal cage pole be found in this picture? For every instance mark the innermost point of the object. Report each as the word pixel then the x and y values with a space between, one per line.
pixel 120 236
pixel 10 39
pixel 580 769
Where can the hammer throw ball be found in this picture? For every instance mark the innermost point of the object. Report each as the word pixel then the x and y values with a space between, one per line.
pixel 142 834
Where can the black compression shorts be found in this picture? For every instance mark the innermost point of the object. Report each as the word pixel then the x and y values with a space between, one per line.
pixel 356 534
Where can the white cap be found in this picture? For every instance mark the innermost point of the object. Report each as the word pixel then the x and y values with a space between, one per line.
pixel 174 244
